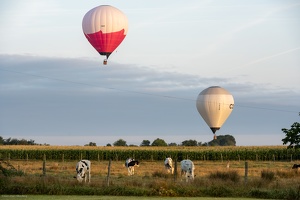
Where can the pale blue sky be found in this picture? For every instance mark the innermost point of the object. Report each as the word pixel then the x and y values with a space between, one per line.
pixel 54 89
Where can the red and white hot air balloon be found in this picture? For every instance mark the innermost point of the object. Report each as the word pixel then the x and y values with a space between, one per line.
pixel 105 27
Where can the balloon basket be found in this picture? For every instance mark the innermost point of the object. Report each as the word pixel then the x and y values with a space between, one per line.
pixel 215 137
pixel 105 62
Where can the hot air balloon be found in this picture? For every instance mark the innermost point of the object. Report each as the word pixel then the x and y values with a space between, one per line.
pixel 215 105
pixel 105 27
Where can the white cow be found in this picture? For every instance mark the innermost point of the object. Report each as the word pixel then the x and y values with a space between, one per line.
pixel 83 169
pixel 187 168
pixel 130 164
pixel 169 165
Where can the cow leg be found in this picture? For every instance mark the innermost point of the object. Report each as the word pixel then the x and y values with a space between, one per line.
pixel 182 173
pixel 186 178
pixel 129 171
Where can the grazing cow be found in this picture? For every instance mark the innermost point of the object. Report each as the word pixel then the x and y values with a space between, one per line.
pixel 83 169
pixel 187 168
pixel 295 166
pixel 130 164
pixel 169 165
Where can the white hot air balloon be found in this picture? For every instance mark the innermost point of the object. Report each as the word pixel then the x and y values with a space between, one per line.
pixel 215 104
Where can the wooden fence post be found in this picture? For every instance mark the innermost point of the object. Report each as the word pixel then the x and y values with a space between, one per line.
pixel 108 172
pixel 175 170
pixel 246 172
pixel 44 165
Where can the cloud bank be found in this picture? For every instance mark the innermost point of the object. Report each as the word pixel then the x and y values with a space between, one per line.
pixel 73 101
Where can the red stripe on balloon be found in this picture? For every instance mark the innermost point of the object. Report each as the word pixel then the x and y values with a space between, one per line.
pixel 105 42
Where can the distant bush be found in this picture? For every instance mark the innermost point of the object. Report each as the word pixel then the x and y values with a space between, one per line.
pixel 267 175
pixel 230 175
pixel 159 174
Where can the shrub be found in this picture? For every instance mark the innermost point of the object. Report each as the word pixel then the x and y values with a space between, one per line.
pixel 230 175
pixel 267 175
pixel 159 174
pixel 218 191
pixel 257 193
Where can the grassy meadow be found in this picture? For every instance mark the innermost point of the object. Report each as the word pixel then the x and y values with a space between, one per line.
pixel 267 178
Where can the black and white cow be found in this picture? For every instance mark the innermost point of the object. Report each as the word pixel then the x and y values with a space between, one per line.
pixel 295 166
pixel 83 169
pixel 187 168
pixel 169 165
pixel 130 164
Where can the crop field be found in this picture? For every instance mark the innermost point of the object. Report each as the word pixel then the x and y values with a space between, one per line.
pixel 267 175
pixel 263 153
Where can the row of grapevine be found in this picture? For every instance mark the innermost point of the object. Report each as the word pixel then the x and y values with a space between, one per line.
pixel 212 154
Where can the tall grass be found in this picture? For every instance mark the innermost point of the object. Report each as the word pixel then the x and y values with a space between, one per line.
pixel 150 186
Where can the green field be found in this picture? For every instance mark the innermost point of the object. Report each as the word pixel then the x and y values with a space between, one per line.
pixel 46 170
pixel 72 197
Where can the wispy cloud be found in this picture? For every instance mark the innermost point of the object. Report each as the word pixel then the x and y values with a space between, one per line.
pixel 259 60
pixel 245 25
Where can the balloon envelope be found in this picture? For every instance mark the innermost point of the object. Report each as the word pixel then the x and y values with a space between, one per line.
pixel 105 27
pixel 215 105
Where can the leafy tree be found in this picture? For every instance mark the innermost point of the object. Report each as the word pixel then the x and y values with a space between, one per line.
pixel 1 140
pixel 223 140
pixel 91 144
pixel 15 141
pixel 172 144
pixel 159 142
pixel 30 142
pixel 292 136
pixel 145 143
pixel 189 143
pixel 108 145
pixel 22 142
pixel 120 142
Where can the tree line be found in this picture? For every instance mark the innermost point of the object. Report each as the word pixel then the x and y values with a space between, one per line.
pixel 226 140
pixel 15 141
pixel 291 139
pixel 221 140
